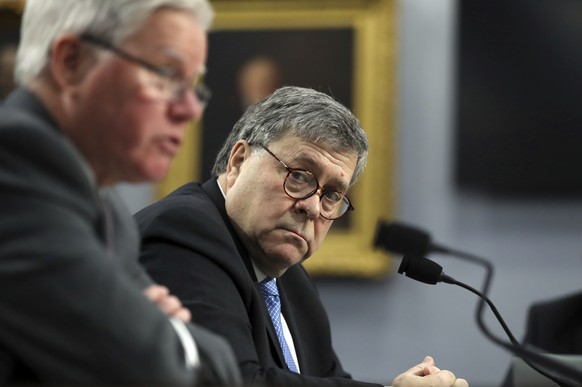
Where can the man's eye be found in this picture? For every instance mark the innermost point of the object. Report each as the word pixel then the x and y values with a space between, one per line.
pixel 299 177
pixel 332 196
pixel 167 71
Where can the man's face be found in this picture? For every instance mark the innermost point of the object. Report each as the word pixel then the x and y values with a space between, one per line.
pixel 280 231
pixel 121 122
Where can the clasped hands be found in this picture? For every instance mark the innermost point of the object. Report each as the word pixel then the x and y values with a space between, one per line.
pixel 426 374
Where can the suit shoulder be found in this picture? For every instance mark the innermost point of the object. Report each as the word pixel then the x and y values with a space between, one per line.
pixel 185 199
pixel 32 147
pixel 187 208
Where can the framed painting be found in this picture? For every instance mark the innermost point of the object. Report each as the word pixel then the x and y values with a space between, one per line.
pixel 346 48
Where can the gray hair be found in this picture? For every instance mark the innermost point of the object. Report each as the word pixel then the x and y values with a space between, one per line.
pixel 44 21
pixel 308 114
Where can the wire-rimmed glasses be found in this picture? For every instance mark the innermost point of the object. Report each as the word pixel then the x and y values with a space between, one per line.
pixel 172 87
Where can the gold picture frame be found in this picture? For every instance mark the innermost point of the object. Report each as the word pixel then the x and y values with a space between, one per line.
pixel 14 5
pixel 346 252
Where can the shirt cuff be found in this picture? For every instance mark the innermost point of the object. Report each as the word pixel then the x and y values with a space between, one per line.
pixel 191 355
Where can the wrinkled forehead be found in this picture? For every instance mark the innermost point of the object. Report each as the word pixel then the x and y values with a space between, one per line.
pixel 296 146
pixel 318 158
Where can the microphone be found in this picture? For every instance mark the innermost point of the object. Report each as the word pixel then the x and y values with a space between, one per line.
pixel 402 238
pixel 424 270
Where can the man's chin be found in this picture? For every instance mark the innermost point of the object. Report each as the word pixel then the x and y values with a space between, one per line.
pixel 280 262
pixel 293 260
pixel 153 174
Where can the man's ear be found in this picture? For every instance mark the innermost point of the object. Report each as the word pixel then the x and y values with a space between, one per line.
pixel 240 152
pixel 70 60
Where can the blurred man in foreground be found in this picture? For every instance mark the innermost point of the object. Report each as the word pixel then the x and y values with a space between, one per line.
pixel 105 94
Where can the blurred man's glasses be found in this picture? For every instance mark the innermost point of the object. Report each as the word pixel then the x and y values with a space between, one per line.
pixel 302 184
pixel 174 89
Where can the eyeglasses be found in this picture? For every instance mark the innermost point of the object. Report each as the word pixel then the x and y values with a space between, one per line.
pixel 172 88
pixel 301 184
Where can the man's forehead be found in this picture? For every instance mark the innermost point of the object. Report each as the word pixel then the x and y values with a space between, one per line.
pixel 306 150
pixel 317 158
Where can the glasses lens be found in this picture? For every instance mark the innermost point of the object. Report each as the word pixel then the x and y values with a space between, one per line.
pixel 300 184
pixel 334 209
pixel 174 90
pixel 167 87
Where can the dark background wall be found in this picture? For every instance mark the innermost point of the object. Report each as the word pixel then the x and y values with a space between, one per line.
pixel 519 81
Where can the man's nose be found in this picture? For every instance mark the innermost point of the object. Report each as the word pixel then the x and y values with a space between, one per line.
pixel 188 107
pixel 311 205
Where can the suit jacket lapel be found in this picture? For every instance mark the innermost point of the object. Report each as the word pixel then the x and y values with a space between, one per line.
pixel 213 191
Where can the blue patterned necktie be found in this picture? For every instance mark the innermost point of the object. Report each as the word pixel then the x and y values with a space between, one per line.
pixel 271 295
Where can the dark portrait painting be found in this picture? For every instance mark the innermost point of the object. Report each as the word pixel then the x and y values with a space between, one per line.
pixel 248 65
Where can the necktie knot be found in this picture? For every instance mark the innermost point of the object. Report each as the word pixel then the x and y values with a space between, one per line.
pixel 269 287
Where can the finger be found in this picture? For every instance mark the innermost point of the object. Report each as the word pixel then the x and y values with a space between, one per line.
pixel 425 368
pixel 421 369
pixel 446 376
pixel 170 304
pixel 460 383
pixel 428 360
pixel 156 292
pixel 183 314
pixel 431 370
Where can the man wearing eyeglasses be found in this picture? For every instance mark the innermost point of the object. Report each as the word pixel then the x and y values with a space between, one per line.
pixel 106 90
pixel 231 248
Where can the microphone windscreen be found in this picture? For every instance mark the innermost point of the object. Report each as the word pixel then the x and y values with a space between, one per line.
pixel 421 269
pixel 402 239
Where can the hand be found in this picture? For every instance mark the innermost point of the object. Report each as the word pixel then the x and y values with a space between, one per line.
pixel 427 374
pixel 171 305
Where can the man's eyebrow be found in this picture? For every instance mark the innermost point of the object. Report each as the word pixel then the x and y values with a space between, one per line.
pixel 305 158
pixel 177 59
pixel 313 167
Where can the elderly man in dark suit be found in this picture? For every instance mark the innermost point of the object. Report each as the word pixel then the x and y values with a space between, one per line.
pixel 105 94
pixel 232 247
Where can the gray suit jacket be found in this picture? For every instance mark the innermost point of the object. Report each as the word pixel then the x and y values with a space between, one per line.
pixel 72 310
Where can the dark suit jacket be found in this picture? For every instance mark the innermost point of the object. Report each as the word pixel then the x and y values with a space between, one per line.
pixel 189 244
pixel 554 326
pixel 70 311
